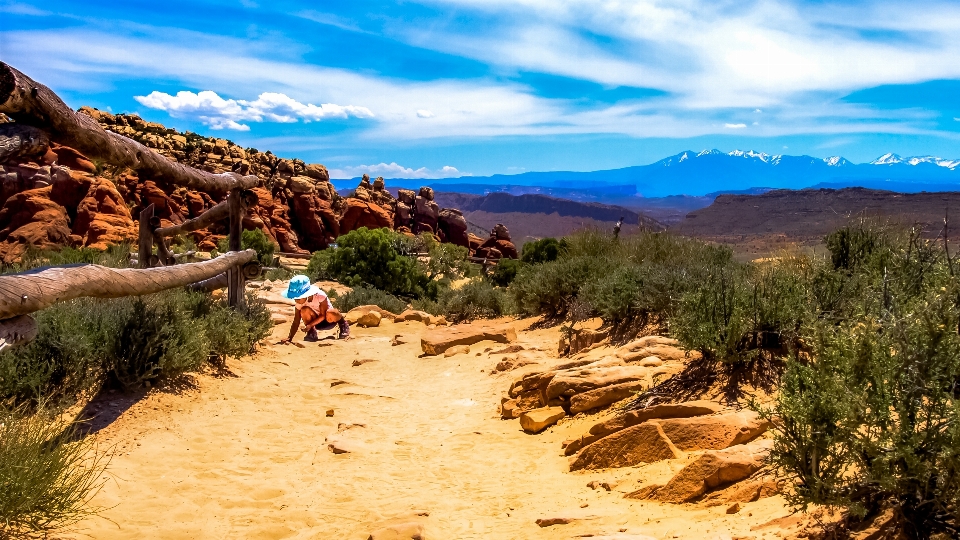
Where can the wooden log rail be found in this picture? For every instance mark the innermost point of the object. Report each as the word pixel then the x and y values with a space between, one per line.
pixel 33 104
pixel 26 292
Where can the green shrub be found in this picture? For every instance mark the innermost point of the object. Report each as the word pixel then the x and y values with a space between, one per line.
pixel 115 256
pixel 47 474
pixel 505 272
pixel 279 274
pixel 448 261
pixel 543 250
pixel 549 288
pixel 477 299
pixel 125 341
pixel 366 257
pixel 365 296
pixel 318 269
pixel 256 240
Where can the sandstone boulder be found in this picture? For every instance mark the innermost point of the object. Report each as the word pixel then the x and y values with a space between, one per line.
pixel 714 432
pixel 510 409
pixel 102 218
pixel 414 315
pixel 437 341
pixel 359 311
pixel 601 397
pixel 633 418
pixel 317 172
pixel 580 340
pixel 316 220
pixel 714 469
pixel 453 226
pixel 370 319
pixel 538 420
pixel 645 443
pixel 575 381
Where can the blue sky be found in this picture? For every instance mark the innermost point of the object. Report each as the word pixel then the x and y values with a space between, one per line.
pixel 435 88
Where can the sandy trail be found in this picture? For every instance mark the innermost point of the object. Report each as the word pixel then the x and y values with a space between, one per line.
pixel 245 456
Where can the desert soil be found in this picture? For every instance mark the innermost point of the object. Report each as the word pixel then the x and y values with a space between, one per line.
pixel 245 455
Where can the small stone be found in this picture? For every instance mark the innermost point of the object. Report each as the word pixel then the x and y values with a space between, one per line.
pixel 538 420
pixel 398 340
pixel 329 412
pixel 362 361
pixel 459 349
pixel 337 382
pixel 733 508
pixel 551 521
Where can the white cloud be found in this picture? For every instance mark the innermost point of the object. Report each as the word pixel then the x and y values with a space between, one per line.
pixel 734 126
pixel 424 113
pixel 218 113
pixel 392 170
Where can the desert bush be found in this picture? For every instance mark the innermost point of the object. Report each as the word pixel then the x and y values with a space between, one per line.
pixel 871 419
pixel 318 268
pixel 478 299
pixel 126 341
pixel 548 289
pixel 115 256
pixel 543 250
pixel 505 272
pixel 369 257
pixel 256 240
pixel 232 332
pixel 279 274
pixel 448 261
pixel 365 296
pixel 47 474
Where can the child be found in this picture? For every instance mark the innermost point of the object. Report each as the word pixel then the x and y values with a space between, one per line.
pixel 314 310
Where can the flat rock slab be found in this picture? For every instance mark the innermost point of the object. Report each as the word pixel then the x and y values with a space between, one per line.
pixel 714 432
pixel 538 420
pixel 601 397
pixel 645 443
pixel 714 469
pixel 633 418
pixel 437 341
pixel 571 382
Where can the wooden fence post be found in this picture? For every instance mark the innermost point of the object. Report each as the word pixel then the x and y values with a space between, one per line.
pixel 235 284
pixel 145 245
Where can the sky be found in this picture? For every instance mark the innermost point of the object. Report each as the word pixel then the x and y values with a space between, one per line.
pixel 447 88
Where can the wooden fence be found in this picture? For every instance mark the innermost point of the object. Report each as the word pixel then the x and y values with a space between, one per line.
pixel 41 117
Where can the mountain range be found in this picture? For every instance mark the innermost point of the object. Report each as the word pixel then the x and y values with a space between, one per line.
pixel 712 172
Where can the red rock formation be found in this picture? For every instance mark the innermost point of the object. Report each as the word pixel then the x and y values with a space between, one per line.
pixel 30 218
pixel 498 245
pixel 453 227
pixel 358 214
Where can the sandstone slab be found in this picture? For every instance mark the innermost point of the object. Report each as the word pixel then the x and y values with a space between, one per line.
pixel 538 420
pixel 601 397
pixel 714 432
pixel 437 341
pixel 633 418
pixel 576 381
pixel 714 469
pixel 645 443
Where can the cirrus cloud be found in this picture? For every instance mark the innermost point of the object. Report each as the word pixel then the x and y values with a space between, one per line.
pixel 219 113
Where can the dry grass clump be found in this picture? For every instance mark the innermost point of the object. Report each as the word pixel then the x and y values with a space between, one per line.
pixel 47 474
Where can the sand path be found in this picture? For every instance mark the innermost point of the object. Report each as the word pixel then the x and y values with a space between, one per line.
pixel 245 456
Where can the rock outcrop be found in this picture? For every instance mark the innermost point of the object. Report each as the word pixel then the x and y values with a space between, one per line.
pixel 436 341
pixel 298 208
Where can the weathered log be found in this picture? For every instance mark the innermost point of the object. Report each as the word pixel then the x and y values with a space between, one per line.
pixel 145 237
pixel 18 330
pixel 31 103
pixel 218 281
pixel 235 286
pixel 250 270
pixel 20 141
pixel 217 213
pixel 34 290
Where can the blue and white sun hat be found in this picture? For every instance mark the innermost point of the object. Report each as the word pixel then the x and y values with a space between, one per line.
pixel 300 287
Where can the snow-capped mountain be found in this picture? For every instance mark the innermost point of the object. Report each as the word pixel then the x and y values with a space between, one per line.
pixel 712 171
